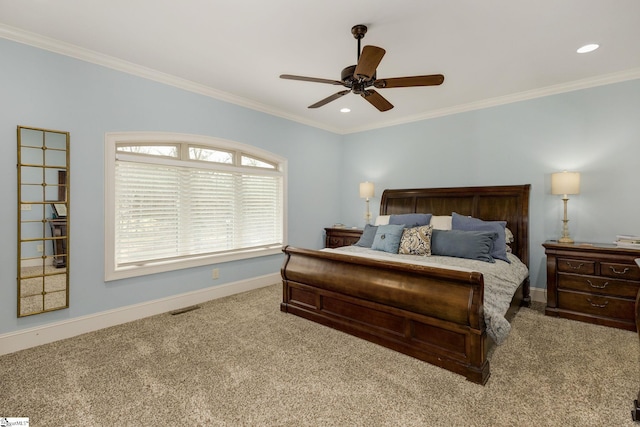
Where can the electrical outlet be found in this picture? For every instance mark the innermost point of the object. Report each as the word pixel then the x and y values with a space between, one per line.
pixel 25 207
pixel 215 273
pixel 40 248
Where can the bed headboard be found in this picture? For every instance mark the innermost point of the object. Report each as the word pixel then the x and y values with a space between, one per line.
pixel 495 203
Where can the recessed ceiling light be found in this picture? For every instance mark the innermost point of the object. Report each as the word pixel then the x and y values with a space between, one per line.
pixel 345 110
pixel 588 48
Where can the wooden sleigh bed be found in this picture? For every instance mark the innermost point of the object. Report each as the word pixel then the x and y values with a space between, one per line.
pixel 433 314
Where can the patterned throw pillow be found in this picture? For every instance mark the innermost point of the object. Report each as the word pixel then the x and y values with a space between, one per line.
pixel 416 241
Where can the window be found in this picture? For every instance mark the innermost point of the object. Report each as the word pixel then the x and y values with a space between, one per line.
pixel 176 201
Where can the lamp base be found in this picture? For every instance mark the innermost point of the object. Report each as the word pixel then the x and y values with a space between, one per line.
pixel 565 226
pixel 367 214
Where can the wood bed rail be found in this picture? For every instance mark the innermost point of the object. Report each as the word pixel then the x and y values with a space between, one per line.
pixel 450 295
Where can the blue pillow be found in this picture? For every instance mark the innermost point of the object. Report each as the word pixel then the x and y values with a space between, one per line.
pixel 463 244
pixel 411 220
pixel 387 238
pixel 366 240
pixel 467 223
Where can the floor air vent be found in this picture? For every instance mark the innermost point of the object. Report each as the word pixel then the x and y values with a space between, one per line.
pixel 185 310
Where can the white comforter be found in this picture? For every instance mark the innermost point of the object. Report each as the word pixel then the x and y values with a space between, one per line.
pixel 501 280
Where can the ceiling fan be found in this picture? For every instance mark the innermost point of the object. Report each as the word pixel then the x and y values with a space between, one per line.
pixel 358 78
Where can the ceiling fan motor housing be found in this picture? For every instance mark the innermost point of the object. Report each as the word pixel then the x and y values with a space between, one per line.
pixel 347 75
pixel 350 81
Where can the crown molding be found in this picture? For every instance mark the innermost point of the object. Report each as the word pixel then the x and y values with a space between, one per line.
pixel 587 83
pixel 73 51
pixel 67 49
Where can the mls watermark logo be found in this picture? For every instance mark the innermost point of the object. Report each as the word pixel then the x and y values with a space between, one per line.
pixel 14 421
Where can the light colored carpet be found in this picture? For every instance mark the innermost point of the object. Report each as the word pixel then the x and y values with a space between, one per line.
pixel 240 361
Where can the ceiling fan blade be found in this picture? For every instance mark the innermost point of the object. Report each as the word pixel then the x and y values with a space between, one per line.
pixel 329 99
pixel 369 60
pixel 376 100
pixel 431 80
pixel 311 79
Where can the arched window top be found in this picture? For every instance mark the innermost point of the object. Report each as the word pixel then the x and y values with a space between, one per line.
pixel 175 201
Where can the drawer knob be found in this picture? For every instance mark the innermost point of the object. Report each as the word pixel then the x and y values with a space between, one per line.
pixel 597 305
pixel 575 268
pixel 604 285
pixel 619 271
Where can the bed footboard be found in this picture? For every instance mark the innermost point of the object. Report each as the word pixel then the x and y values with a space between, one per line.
pixel 433 314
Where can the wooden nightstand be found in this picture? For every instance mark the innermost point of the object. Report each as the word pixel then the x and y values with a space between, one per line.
pixel 336 237
pixel 592 282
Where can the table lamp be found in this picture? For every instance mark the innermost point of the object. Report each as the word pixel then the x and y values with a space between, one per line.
pixel 367 190
pixel 565 183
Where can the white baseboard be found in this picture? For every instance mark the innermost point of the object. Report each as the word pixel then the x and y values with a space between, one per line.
pixel 539 295
pixel 32 337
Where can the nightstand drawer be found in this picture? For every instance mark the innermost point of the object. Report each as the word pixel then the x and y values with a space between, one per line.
pixel 620 271
pixel 578 266
pixel 597 305
pixel 336 237
pixel 335 242
pixel 599 285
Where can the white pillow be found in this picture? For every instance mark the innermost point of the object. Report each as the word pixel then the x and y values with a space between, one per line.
pixel 382 220
pixel 508 235
pixel 441 222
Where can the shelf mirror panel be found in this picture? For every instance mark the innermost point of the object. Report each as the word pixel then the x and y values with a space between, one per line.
pixel 43 220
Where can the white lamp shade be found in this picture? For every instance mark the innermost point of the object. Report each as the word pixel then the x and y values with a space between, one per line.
pixel 565 183
pixel 367 190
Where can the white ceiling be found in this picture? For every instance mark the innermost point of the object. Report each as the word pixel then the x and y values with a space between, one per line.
pixel 491 51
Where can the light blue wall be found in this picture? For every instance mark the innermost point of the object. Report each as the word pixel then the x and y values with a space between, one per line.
pixel 47 90
pixel 594 131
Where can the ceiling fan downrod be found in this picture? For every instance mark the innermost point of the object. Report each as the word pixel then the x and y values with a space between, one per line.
pixel 358 32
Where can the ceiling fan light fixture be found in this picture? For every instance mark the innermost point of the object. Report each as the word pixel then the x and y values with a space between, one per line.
pixel 588 48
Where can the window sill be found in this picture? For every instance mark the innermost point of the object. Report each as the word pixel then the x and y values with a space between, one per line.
pixel 162 267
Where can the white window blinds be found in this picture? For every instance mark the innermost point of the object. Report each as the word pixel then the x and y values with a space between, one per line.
pixel 167 212
pixel 181 210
